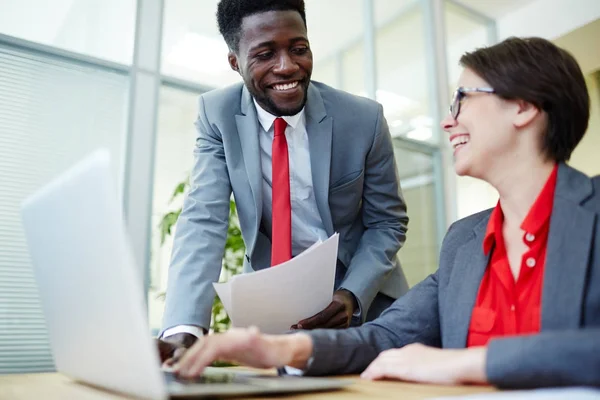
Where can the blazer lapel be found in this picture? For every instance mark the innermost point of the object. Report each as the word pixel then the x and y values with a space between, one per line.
pixel 568 251
pixel 319 128
pixel 247 126
pixel 469 266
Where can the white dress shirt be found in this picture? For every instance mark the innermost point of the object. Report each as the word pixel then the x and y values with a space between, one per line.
pixel 307 227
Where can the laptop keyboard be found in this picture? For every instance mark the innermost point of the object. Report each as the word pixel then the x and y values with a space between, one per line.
pixel 214 378
pixel 218 383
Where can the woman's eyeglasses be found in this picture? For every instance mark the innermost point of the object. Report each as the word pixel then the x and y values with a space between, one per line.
pixel 460 94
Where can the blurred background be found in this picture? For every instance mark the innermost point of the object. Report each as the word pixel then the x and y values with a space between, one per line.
pixel 124 74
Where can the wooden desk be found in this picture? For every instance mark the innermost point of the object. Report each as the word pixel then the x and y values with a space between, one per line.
pixel 53 386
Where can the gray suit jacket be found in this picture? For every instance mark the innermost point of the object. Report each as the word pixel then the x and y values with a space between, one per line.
pixel 356 188
pixel 437 311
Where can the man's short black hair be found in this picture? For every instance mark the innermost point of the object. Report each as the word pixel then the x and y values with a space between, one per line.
pixel 230 14
pixel 541 73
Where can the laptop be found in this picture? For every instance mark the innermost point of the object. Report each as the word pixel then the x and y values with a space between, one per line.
pixel 93 298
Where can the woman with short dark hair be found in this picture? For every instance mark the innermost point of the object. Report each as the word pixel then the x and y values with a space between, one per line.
pixel 516 299
pixel 538 72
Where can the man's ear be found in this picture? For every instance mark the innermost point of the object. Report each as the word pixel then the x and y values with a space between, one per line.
pixel 526 113
pixel 233 61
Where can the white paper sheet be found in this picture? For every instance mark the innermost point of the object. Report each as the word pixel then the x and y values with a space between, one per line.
pixel 539 394
pixel 275 298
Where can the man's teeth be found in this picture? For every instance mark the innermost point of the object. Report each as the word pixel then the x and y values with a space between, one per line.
pixel 286 86
pixel 457 141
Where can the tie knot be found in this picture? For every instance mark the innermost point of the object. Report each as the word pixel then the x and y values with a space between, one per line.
pixel 280 126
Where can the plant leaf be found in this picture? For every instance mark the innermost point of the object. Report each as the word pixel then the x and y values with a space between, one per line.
pixel 167 222
pixel 179 189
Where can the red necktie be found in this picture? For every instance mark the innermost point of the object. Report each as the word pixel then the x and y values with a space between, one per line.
pixel 281 233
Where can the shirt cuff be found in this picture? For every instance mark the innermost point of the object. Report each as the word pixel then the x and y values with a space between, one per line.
pixel 358 312
pixel 286 370
pixel 191 329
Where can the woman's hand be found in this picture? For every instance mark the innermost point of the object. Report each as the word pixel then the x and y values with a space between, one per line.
pixel 420 363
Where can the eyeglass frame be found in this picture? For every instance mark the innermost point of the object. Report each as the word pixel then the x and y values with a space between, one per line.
pixel 459 95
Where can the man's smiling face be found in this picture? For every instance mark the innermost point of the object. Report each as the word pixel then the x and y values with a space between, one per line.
pixel 275 60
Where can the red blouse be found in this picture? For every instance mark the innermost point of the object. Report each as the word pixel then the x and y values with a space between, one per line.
pixel 506 306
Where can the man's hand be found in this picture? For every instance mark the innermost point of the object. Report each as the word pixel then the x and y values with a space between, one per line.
pixel 420 363
pixel 248 347
pixel 172 347
pixel 337 315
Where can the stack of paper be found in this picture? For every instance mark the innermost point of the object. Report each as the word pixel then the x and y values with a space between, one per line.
pixel 276 298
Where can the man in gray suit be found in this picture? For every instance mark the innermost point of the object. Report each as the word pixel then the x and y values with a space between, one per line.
pixel 516 299
pixel 339 159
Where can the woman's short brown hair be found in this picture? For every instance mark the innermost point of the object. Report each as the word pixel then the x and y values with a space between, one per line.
pixel 538 72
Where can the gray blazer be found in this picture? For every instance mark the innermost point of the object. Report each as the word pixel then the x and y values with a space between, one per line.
pixel 356 188
pixel 437 311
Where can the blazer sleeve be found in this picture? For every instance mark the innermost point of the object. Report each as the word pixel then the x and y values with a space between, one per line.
pixel 384 217
pixel 200 234
pixel 560 358
pixel 413 318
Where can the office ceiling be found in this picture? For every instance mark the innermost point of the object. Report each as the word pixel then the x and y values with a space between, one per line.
pixel 494 8
pixel 90 25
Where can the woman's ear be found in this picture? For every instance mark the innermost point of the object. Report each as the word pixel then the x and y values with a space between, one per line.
pixel 526 113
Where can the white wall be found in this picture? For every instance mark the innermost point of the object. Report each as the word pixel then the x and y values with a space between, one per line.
pixel 585 156
pixel 548 18
pixel 584 44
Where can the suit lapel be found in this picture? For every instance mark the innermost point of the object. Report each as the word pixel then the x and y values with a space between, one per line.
pixel 319 128
pixel 469 266
pixel 247 126
pixel 568 251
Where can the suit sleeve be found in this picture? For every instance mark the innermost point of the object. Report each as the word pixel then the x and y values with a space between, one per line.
pixel 384 217
pixel 413 318
pixel 559 358
pixel 201 232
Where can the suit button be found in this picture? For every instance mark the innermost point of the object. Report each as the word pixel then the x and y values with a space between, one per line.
pixel 530 262
pixel 530 237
